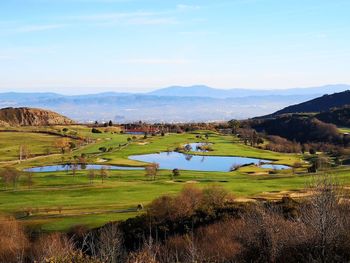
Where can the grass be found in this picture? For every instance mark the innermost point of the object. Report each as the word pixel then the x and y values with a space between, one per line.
pixel 59 200
pixel 37 143
pixel 344 129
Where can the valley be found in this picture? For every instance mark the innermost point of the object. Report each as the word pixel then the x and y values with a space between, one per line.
pixel 60 200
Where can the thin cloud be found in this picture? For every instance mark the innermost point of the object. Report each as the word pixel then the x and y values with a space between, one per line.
pixel 157 61
pixel 4 57
pixel 36 28
pixel 130 18
pixel 153 21
pixel 184 7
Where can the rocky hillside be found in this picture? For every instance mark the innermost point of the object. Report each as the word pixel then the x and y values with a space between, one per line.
pixel 31 117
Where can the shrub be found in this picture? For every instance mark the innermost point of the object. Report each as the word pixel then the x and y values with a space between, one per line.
pixel 94 130
pixel 13 241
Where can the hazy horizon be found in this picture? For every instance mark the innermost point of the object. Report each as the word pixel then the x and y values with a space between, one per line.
pixel 95 90
pixel 137 46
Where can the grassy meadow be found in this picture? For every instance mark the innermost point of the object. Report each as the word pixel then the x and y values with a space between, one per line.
pixel 61 200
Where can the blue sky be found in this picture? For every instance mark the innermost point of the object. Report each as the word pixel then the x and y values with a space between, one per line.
pixel 81 46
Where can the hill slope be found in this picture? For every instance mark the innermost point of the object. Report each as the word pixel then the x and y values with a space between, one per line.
pixel 337 116
pixel 31 117
pixel 324 103
pixel 300 128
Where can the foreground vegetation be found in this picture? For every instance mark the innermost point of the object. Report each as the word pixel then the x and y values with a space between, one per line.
pixel 202 225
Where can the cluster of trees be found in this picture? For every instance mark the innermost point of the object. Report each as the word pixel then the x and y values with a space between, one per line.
pixel 279 144
pixel 249 136
pixel 64 145
pixel 202 225
pixel 10 178
pixel 169 127
pixel 337 116
pixel 302 129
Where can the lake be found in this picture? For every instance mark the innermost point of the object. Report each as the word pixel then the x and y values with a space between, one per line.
pixel 56 168
pixel 181 161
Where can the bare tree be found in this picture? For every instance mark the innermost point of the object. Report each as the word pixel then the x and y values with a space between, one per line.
pixel 62 144
pixel 91 175
pixel 110 246
pixel 9 177
pixel 324 218
pixel 29 179
pixel 152 170
pixel 13 240
pixel 103 173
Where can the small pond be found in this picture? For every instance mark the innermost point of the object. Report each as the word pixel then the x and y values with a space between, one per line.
pixel 134 133
pixel 172 160
pixel 195 147
pixel 65 167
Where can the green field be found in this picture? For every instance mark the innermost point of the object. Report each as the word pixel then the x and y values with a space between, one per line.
pixel 344 130
pixel 38 143
pixel 59 200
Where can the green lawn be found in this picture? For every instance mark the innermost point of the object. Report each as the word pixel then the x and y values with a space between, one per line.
pixel 37 143
pixel 344 129
pixel 58 200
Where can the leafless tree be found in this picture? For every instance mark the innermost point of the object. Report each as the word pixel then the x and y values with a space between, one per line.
pixel 10 176
pixel 152 170
pixel 110 245
pixel 324 217
pixel 103 173
pixel 29 179
pixel 13 240
pixel 91 175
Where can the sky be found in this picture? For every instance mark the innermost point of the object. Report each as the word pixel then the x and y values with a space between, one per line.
pixel 84 46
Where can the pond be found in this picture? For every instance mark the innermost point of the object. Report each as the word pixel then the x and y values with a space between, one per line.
pixel 172 160
pixel 65 167
pixel 196 146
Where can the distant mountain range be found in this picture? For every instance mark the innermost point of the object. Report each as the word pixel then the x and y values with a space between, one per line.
pixel 173 104
pixel 205 91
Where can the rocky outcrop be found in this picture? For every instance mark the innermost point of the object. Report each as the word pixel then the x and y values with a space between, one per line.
pixel 31 117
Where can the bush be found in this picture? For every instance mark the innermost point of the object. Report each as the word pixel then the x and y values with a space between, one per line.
pixel 13 241
pixel 94 130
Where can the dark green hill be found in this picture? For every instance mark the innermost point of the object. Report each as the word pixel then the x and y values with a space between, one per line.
pixel 321 104
pixel 337 116
pixel 295 127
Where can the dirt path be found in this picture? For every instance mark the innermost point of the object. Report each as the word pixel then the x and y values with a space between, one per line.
pixel 30 159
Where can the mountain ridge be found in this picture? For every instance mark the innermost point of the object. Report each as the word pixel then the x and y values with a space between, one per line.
pixel 320 104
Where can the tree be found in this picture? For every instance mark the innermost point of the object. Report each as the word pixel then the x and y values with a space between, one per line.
pixel 103 173
pixel 110 123
pixel 324 217
pixel 110 246
pixel 29 179
pixel 234 125
pixel 24 152
pixel 10 176
pixel 188 148
pixel 62 144
pixel 91 175
pixel 175 173
pixel 94 130
pixel 102 149
pixel 74 168
pixel 152 170
pixel 72 145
